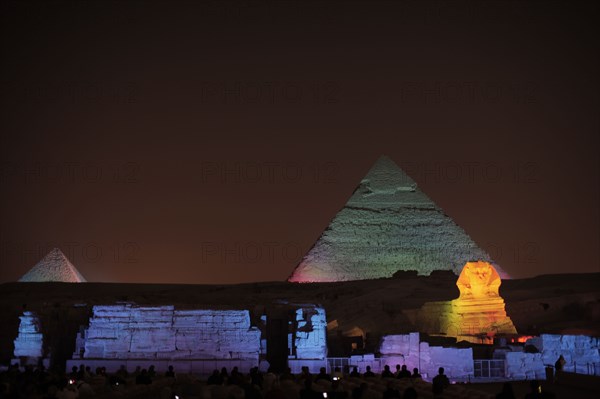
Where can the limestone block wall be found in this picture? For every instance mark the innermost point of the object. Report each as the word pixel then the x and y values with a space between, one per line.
pixel 405 347
pixel 29 341
pixel 457 362
pixel 579 351
pixel 409 350
pixel 310 338
pixel 576 349
pixel 521 365
pixel 126 331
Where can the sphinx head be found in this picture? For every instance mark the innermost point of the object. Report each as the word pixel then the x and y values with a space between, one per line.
pixel 478 280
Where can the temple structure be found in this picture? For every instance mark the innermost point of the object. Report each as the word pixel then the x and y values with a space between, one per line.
pixel 29 344
pixel 200 340
pixel 388 225
pixel 53 267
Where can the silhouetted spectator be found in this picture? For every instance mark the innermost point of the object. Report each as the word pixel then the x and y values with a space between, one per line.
pixel 337 374
pixel 287 375
pixel 170 373
pixel 269 379
pixel 560 363
pixel 536 390
pixel 308 392
pixel 391 392
pixel 120 376
pixel 386 373
pixel 558 368
pixel 224 374
pixel 507 392
pixel 440 382
pixel 336 391
pixel 143 378
pixel 359 392
pixel 323 375
pixel 251 390
pixel 369 373
pixel 404 373
pixel 73 374
pixel 415 373
pixel 215 379
pixel 235 378
pixel 410 393
pixel 276 393
pixel 354 372
pixel 81 373
pixel 256 377
pixel 122 372
pixel 66 390
pixel 152 372
pixel 305 374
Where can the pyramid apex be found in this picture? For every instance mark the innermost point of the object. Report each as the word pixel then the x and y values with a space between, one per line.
pixel 385 175
pixel 56 251
pixel 55 266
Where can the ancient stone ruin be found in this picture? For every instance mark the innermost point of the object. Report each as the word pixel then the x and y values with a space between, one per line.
pixel 197 340
pixel 29 344
pixel 408 349
pixel 579 351
pixel 387 225
pixel 162 332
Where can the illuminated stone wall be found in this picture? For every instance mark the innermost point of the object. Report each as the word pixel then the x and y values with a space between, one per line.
pixel 578 350
pixel 193 340
pixel 310 338
pixel 29 342
pixel 132 332
pixel 409 350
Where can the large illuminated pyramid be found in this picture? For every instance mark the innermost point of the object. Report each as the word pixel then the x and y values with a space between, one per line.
pixel 387 225
pixel 53 267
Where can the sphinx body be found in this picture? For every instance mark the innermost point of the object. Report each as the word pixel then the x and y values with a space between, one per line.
pixel 477 315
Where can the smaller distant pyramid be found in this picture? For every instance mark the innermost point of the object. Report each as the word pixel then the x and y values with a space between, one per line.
pixel 53 267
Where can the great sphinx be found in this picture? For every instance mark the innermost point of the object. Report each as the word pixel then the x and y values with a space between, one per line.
pixel 477 315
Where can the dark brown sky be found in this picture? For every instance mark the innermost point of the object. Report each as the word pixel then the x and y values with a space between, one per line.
pixel 212 143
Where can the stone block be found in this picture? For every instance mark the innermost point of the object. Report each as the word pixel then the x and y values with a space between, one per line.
pixel 129 332
pixel 29 342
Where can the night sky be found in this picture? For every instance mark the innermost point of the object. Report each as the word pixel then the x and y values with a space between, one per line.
pixel 175 142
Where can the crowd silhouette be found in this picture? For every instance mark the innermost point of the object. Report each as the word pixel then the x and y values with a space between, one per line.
pixel 82 382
